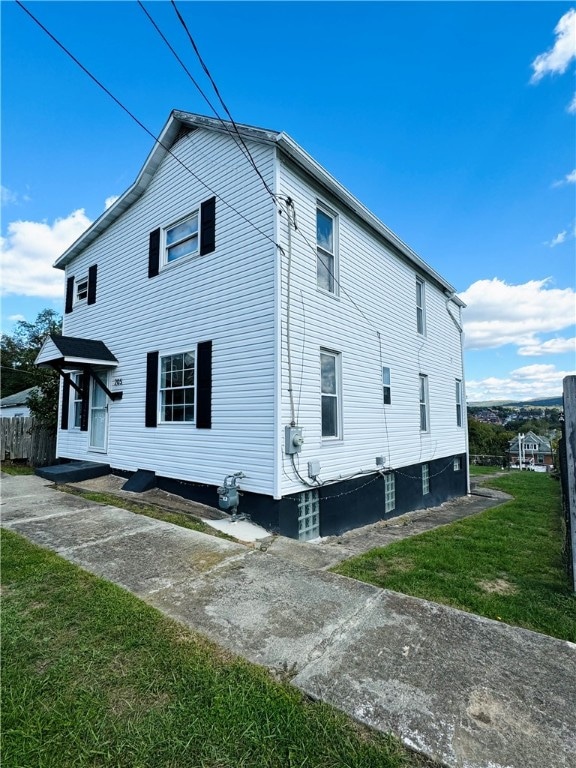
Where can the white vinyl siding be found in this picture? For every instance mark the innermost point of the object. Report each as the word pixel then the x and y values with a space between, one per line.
pixel 378 296
pixel 183 306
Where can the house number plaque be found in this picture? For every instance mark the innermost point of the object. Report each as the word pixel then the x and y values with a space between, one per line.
pixel 117 382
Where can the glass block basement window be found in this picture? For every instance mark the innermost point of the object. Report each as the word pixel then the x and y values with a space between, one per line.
pixel 309 516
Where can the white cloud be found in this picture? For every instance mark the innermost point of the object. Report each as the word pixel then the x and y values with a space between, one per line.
pixel 570 178
pixel 527 383
pixel 562 52
pixel 29 250
pixel 112 199
pixel 559 239
pixel 571 108
pixel 16 318
pixel 558 346
pixel 498 314
pixel 7 196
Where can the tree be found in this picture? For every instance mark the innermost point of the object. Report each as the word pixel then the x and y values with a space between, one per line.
pixel 19 350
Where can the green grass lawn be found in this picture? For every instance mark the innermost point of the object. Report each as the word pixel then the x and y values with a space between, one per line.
pixel 16 469
pixel 504 563
pixel 475 469
pixel 94 677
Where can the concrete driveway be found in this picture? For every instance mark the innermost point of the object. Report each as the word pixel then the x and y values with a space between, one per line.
pixel 464 690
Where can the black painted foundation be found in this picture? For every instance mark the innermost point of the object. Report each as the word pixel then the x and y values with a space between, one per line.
pixel 344 505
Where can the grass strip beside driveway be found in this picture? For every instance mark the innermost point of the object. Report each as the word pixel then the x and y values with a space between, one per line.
pixel 504 563
pixel 94 677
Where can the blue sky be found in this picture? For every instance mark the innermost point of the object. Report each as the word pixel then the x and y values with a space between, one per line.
pixel 453 122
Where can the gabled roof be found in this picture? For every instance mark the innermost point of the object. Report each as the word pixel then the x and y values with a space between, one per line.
pixel 179 121
pixel 531 437
pixel 69 351
pixel 18 398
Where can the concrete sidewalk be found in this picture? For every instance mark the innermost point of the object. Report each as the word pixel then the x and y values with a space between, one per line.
pixel 466 691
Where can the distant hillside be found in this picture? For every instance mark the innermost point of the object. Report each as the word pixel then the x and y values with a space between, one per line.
pixel 543 402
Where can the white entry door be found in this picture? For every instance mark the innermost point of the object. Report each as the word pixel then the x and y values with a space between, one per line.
pixel 98 415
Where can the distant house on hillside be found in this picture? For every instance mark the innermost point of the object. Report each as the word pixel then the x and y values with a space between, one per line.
pixel 530 451
pixel 15 405
pixel 311 353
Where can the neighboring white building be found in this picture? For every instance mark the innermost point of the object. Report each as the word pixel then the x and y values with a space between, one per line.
pixel 221 324
pixel 16 404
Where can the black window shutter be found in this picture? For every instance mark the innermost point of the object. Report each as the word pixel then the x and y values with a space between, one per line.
pixel 85 401
pixel 151 389
pixel 65 403
pixel 92 274
pixel 208 226
pixel 154 253
pixel 204 385
pixel 69 295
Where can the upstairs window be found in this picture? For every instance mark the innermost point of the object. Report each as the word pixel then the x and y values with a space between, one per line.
pixel 386 387
pixel 420 307
pixel 182 239
pixel 423 383
pixel 458 403
pixel 326 250
pixel 177 387
pixel 81 290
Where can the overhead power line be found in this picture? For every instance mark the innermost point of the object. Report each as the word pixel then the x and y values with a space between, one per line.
pixel 221 100
pixel 141 124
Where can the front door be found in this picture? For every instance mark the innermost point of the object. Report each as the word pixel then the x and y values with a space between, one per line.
pixel 98 414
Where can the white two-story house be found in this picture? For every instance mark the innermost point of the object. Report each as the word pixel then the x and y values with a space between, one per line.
pixel 220 320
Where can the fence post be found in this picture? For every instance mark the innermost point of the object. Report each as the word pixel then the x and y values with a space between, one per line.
pixel 568 471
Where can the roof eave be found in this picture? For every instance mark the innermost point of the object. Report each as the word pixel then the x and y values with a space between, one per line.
pixel 307 163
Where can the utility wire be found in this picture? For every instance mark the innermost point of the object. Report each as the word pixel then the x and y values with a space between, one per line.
pixel 221 100
pixel 141 124
pixel 194 81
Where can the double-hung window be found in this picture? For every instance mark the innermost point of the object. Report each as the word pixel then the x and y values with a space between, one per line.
pixel 330 386
pixel 423 385
pixel 458 403
pixel 326 237
pixel 81 290
pixel 177 387
pixel 181 239
pixel 386 386
pixel 420 307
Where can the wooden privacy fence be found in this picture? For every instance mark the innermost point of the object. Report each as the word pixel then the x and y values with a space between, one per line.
pixel 21 437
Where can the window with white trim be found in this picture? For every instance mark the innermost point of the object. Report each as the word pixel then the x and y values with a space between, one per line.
pixel 389 492
pixel 177 387
pixel 326 237
pixel 425 479
pixel 386 386
pixel 78 379
pixel 423 388
pixel 457 464
pixel 330 392
pixel 420 307
pixel 81 292
pixel 309 515
pixel 458 403
pixel 181 239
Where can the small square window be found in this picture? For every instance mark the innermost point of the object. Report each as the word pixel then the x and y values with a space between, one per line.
pixel 386 386
pixel 457 464
pixel 81 289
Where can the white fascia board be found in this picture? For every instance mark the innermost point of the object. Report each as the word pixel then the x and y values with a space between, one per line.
pixel 110 215
pixel 70 361
pixel 314 169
